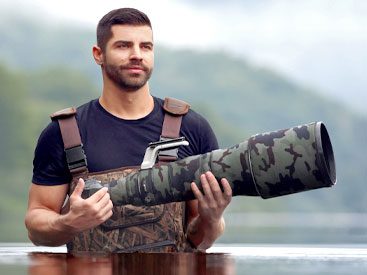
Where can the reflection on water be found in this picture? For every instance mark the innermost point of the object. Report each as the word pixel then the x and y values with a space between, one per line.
pixel 133 263
pixel 222 259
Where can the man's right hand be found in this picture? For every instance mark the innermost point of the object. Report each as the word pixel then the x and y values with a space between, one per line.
pixel 45 224
pixel 88 213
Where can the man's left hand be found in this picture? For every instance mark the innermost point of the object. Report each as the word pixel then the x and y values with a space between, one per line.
pixel 205 216
pixel 212 203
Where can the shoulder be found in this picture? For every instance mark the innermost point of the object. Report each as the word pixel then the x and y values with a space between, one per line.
pixel 192 121
pixel 158 100
pixel 51 135
pixel 199 131
pixel 79 112
pixel 87 109
pixel 196 121
pixel 191 118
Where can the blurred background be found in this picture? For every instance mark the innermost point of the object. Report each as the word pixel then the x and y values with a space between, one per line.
pixel 248 66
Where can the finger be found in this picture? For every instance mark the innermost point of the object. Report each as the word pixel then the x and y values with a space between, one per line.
pixel 103 215
pixel 206 188
pixel 227 189
pixel 104 201
pixel 107 210
pixel 214 186
pixel 96 197
pixel 197 193
pixel 79 188
pixel 107 215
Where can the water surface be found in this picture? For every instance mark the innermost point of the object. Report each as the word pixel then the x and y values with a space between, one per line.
pixel 221 259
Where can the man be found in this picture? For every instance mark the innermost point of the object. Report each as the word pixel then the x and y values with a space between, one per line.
pixel 115 130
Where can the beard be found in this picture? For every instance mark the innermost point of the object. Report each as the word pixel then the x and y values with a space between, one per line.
pixel 125 80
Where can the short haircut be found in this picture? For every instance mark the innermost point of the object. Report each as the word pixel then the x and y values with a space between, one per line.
pixel 123 16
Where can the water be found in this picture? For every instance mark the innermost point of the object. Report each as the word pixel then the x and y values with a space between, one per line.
pixel 221 259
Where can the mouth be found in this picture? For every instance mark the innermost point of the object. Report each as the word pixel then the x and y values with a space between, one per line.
pixel 134 69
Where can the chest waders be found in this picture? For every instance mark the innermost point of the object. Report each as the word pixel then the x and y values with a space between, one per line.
pixel 159 228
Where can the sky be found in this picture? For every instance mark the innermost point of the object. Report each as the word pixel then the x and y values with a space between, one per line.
pixel 319 43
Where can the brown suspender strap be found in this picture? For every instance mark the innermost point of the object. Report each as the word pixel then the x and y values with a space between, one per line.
pixel 171 126
pixel 175 109
pixel 73 146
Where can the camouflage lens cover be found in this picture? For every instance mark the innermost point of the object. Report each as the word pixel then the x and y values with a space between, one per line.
pixel 292 160
pixel 269 164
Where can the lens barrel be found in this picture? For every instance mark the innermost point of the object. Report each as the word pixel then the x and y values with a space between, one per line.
pixel 268 165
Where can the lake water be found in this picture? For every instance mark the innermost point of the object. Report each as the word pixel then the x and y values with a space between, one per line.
pixel 221 259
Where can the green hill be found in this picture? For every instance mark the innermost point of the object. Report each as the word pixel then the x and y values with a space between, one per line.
pixel 45 68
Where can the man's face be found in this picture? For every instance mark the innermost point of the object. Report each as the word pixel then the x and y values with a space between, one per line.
pixel 129 58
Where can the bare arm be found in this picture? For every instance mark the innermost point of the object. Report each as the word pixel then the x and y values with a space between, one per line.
pixel 205 215
pixel 45 224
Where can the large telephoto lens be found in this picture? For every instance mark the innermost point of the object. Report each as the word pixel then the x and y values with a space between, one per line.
pixel 268 165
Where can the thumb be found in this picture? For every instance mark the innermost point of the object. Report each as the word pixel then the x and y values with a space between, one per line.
pixel 79 188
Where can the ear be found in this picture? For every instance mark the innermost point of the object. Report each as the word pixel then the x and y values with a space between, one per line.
pixel 97 54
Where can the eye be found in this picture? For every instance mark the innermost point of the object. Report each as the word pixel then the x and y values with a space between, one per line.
pixel 147 46
pixel 122 45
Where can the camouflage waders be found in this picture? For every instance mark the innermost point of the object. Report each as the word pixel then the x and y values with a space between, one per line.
pixel 159 228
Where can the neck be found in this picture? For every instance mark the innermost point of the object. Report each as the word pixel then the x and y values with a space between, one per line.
pixel 128 105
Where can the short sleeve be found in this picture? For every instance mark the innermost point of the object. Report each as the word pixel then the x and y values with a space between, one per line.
pixel 208 140
pixel 49 163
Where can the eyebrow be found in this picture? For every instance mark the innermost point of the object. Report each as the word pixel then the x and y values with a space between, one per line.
pixel 130 42
pixel 147 43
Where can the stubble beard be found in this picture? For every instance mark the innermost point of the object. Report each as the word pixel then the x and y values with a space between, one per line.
pixel 127 81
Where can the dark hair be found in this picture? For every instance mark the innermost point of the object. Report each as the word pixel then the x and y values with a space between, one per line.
pixel 123 16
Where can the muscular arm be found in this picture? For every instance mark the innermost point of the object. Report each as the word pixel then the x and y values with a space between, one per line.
pixel 45 224
pixel 205 215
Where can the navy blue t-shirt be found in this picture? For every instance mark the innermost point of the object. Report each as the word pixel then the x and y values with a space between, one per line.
pixel 111 142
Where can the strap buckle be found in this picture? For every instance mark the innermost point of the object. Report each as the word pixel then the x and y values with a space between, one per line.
pixel 76 157
pixel 170 153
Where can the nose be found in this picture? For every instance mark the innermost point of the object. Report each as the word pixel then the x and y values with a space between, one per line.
pixel 136 53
